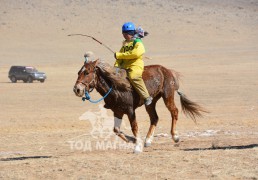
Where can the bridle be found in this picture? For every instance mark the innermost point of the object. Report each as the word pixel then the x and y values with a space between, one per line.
pixel 87 95
pixel 92 80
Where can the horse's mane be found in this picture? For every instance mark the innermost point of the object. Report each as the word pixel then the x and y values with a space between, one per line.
pixel 118 80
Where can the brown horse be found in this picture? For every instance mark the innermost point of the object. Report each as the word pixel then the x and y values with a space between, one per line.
pixel 123 99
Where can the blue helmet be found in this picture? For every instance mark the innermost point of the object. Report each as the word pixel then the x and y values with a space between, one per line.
pixel 128 26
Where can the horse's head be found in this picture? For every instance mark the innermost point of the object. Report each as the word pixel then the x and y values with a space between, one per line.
pixel 86 80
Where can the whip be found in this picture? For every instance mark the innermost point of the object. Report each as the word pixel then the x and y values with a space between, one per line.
pixel 99 42
pixel 93 39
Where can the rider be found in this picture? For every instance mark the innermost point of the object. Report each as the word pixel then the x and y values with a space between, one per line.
pixel 130 58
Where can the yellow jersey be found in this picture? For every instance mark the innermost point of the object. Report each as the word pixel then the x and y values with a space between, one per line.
pixel 130 55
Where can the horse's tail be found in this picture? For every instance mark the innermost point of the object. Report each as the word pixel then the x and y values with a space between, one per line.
pixel 190 108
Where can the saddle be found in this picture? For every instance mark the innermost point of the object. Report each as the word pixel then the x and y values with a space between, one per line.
pixel 120 72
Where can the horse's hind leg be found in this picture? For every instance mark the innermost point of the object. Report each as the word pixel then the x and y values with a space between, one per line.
pixel 151 109
pixel 170 104
pixel 174 114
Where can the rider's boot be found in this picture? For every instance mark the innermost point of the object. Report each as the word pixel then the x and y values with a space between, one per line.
pixel 148 101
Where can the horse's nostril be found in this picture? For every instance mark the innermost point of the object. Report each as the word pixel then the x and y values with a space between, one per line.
pixel 78 90
pixel 74 89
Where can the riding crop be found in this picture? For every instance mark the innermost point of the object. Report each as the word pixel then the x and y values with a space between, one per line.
pixel 99 42
pixel 94 40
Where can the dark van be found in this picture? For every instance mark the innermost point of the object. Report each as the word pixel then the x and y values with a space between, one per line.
pixel 26 74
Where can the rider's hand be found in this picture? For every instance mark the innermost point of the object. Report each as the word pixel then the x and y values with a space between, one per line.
pixel 115 55
pixel 117 70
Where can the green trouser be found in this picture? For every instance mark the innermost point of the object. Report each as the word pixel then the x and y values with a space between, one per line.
pixel 135 77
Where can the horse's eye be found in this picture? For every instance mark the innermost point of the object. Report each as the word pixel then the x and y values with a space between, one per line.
pixel 85 73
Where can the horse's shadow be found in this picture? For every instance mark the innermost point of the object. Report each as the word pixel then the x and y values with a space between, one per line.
pixel 250 146
pixel 24 158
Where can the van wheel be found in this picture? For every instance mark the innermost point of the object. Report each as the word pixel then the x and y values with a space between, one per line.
pixel 13 79
pixel 29 80
pixel 42 80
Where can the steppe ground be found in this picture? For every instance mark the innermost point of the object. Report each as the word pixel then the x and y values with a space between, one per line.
pixel 213 44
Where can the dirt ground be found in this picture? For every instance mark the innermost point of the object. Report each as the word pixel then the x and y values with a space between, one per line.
pixel 44 133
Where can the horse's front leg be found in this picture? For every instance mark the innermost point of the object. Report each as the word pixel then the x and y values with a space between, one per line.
pixel 119 133
pixel 139 144
pixel 117 126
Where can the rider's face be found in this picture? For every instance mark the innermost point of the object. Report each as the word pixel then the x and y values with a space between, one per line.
pixel 128 37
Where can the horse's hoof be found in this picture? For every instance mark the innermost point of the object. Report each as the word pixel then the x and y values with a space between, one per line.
pixel 137 149
pixel 147 143
pixel 176 138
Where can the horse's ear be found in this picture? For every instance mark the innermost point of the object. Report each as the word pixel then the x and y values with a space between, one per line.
pixel 96 62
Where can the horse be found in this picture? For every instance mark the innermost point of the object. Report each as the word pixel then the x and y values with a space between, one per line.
pixel 160 81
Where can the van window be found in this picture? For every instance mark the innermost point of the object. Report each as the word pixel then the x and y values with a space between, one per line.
pixel 31 69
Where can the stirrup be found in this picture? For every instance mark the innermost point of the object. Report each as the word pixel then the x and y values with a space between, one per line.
pixel 148 101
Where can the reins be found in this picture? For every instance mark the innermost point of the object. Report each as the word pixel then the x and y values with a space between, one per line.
pixel 87 97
